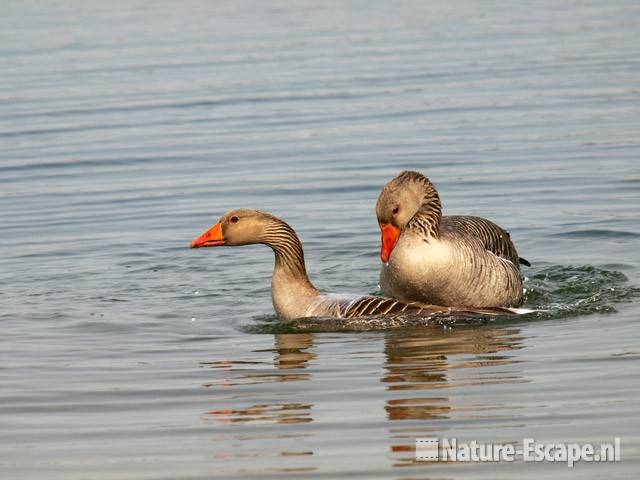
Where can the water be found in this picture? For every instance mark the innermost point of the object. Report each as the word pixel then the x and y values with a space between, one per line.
pixel 127 128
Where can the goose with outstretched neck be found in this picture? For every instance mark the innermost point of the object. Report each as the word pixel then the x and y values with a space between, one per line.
pixel 292 293
pixel 447 260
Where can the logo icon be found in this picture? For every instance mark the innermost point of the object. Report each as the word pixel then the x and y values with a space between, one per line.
pixel 427 449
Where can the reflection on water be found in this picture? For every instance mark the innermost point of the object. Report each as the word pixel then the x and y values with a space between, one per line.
pixel 293 350
pixel 119 143
pixel 422 374
pixel 290 353
pixel 423 367
pixel 280 413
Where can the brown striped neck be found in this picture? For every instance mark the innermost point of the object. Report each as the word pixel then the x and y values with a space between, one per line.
pixel 289 265
pixel 426 221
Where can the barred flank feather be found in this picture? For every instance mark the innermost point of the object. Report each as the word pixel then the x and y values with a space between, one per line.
pixel 381 306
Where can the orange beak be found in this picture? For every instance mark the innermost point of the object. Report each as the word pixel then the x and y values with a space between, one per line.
pixel 211 238
pixel 390 236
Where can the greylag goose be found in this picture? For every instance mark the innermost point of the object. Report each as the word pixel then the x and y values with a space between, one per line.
pixel 446 260
pixel 292 293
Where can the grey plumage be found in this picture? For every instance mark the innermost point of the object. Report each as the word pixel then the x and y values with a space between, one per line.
pixel 370 305
pixel 493 238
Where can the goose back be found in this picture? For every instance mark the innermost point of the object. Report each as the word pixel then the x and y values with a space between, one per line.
pixel 492 237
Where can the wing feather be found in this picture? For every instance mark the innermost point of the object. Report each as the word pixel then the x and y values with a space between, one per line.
pixel 494 238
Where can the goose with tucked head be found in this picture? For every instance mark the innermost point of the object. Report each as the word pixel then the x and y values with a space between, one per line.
pixel 292 293
pixel 447 260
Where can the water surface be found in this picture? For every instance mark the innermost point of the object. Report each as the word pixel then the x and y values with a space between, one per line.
pixel 127 128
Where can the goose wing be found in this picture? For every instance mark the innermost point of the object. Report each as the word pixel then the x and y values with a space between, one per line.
pixel 350 306
pixel 493 237
pixel 355 306
pixel 371 305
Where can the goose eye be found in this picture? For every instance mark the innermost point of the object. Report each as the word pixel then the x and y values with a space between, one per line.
pixel 395 210
pixel 234 219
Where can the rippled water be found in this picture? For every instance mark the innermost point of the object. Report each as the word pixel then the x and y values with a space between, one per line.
pixel 128 128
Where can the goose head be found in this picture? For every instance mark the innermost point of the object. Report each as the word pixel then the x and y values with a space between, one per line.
pixel 236 227
pixel 398 202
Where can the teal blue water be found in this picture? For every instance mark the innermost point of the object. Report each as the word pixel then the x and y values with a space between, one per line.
pixel 128 128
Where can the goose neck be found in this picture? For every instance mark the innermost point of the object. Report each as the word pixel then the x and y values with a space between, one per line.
pixel 291 289
pixel 426 221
